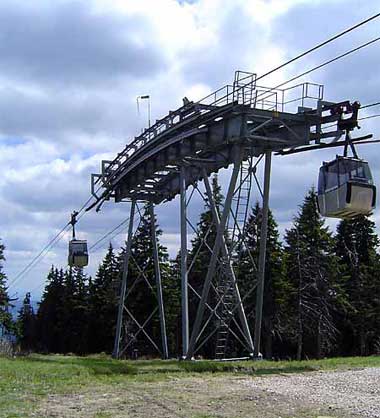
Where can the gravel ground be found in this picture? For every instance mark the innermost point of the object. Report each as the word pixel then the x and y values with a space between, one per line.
pixel 354 391
pixel 336 394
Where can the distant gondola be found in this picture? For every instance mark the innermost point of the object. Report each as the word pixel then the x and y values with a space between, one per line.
pixel 345 188
pixel 78 253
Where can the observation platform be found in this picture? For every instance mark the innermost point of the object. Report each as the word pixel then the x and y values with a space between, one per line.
pixel 242 117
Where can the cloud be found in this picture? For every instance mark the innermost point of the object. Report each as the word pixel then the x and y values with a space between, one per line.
pixel 72 44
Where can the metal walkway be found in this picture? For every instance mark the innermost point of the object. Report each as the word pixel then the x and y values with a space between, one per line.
pixel 243 113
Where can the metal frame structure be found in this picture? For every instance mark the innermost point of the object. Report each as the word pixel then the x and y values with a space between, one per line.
pixel 240 124
pixel 123 340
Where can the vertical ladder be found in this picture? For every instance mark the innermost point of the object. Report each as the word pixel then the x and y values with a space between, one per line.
pixel 226 293
pixel 225 288
pixel 240 202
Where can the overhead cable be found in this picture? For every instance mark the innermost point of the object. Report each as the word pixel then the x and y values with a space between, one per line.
pixel 40 255
pixel 330 61
pixel 370 105
pixel 320 45
pixel 370 117
pixel 109 233
pixel 48 246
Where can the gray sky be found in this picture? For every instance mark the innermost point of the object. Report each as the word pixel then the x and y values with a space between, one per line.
pixel 70 72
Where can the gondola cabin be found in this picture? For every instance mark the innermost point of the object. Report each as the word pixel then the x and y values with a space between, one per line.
pixel 78 253
pixel 345 188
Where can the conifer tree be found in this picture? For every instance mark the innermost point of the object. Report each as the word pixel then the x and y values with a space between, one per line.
pixel 74 314
pixel 204 241
pixel 103 301
pixel 311 269
pixel 276 288
pixel 171 289
pixel 50 324
pixel 6 323
pixel 356 248
pixel 26 325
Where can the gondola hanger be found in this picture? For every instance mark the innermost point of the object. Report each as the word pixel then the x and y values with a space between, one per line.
pixel 73 221
pixel 349 143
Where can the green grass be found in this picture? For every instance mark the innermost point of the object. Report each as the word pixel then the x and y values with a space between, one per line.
pixel 26 380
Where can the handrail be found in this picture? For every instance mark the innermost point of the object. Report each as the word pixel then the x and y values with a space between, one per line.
pixel 244 93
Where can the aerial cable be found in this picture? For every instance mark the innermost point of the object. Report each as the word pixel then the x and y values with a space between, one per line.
pixel 83 207
pixel 109 233
pixel 93 246
pixel 370 105
pixel 48 246
pixel 351 51
pixel 370 117
pixel 40 255
pixel 320 45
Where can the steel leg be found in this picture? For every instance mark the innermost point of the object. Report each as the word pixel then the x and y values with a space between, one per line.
pixel 184 287
pixel 160 299
pixel 116 348
pixel 262 255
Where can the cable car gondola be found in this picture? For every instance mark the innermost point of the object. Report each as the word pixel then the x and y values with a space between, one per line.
pixel 78 253
pixel 345 187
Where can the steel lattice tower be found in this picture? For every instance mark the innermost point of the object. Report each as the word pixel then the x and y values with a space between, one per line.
pixel 241 125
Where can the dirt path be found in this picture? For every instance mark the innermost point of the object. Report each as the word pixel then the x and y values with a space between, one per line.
pixel 327 394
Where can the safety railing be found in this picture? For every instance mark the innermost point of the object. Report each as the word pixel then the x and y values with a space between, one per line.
pixel 243 91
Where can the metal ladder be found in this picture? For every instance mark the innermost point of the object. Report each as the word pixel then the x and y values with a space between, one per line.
pixel 240 202
pixel 226 293
pixel 225 288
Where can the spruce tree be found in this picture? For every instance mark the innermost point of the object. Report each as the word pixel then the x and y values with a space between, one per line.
pixel 204 239
pixel 6 323
pixel 276 288
pixel 356 247
pixel 26 325
pixel 103 302
pixel 311 270
pixel 74 313
pixel 50 323
pixel 171 289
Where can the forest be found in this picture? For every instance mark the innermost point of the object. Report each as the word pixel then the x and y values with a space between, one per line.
pixel 321 296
